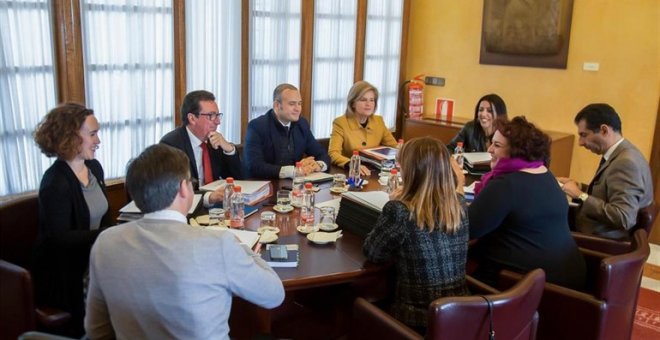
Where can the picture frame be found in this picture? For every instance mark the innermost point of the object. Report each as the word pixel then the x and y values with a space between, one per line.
pixel 526 33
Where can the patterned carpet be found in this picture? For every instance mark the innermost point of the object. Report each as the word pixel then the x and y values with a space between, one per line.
pixel 647 317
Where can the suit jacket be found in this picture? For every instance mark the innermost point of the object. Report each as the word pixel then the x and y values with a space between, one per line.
pixel 621 187
pixel 471 141
pixel 348 135
pixel 265 140
pixel 64 240
pixel 222 165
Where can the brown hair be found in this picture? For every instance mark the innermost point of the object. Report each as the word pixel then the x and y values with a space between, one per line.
pixel 356 92
pixel 429 185
pixel 526 141
pixel 58 133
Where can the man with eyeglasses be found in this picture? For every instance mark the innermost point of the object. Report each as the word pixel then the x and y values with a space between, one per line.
pixel 278 139
pixel 211 156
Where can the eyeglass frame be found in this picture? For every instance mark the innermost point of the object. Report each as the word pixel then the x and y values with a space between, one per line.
pixel 212 115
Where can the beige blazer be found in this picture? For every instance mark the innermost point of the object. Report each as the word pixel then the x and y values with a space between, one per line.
pixel 348 135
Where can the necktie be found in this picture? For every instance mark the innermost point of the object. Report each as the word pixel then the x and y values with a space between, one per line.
pixel 591 185
pixel 206 164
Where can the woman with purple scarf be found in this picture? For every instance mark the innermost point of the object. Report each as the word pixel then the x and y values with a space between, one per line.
pixel 520 213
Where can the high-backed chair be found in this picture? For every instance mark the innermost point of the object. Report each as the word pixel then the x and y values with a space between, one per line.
pixel 514 314
pixel 17 309
pixel 645 219
pixel 606 309
pixel 18 229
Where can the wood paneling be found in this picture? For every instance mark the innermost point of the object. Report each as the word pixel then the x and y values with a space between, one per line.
pixel 306 57
pixel 67 41
pixel 360 34
pixel 655 173
pixel 245 70
pixel 180 88
pixel 402 67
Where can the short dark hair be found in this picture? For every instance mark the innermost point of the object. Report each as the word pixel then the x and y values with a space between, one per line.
pixel 598 114
pixel 277 93
pixel 153 177
pixel 191 103
pixel 58 133
pixel 525 140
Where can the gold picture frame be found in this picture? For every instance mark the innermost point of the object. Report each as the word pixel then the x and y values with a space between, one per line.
pixel 532 33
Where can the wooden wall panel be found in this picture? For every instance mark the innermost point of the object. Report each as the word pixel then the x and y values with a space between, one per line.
pixel 67 42
pixel 180 88
pixel 306 57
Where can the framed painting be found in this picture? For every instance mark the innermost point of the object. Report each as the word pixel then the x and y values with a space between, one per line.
pixel 533 33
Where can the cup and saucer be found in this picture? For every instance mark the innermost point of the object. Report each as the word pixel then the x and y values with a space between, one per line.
pixel 307 229
pixel 339 190
pixel 283 209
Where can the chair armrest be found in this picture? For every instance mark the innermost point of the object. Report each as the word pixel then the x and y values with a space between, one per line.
pixel 51 317
pixel 600 244
pixel 478 287
pixel 370 322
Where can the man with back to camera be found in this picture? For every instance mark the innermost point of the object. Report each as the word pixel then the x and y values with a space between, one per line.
pixel 622 183
pixel 211 156
pixel 276 140
pixel 160 278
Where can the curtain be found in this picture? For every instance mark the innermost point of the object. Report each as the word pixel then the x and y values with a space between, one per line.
pixel 382 54
pixel 128 64
pixel 274 50
pixel 334 58
pixel 213 57
pixel 27 91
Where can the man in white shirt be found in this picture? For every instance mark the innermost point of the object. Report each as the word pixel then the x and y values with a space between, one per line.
pixel 160 278
pixel 622 184
pixel 211 156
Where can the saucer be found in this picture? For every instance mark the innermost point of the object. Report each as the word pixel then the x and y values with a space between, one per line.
pixel 328 227
pixel 323 238
pixel 261 230
pixel 306 230
pixel 283 209
pixel 339 190
pixel 268 237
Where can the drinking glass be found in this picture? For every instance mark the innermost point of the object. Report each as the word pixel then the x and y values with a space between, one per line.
pixel 327 218
pixel 267 219
pixel 283 199
pixel 217 214
pixel 339 181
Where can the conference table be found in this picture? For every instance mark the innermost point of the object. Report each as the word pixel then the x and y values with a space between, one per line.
pixel 319 265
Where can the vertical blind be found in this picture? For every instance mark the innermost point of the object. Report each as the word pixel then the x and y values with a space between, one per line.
pixel 27 91
pixel 382 54
pixel 334 59
pixel 213 57
pixel 274 50
pixel 128 63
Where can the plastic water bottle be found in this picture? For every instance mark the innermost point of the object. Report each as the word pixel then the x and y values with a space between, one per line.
pixel 298 186
pixel 458 153
pixel 354 169
pixel 393 181
pixel 226 199
pixel 307 208
pixel 237 214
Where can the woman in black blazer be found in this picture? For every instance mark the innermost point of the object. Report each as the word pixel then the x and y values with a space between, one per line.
pixel 476 134
pixel 73 209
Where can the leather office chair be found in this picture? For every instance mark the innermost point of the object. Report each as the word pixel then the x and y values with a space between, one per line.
pixel 462 317
pixel 18 229
pixel 606 310
pixel 645 219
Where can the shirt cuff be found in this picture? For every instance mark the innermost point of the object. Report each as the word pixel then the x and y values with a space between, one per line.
pixel 287 171
pixel 233 151
pixel 206 197
pixel 323 166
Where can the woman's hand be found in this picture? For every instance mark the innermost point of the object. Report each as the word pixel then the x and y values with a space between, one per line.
pixel 458 171
pixel 364 171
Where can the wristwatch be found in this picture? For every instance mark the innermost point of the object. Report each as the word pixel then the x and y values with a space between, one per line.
pixel 583 196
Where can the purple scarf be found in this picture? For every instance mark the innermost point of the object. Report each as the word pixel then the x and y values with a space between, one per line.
pixel 505 166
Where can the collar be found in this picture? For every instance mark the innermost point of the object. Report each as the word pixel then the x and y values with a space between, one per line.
pixel 166 214
pixel 194 141
pixel 609 151
pixel 354 123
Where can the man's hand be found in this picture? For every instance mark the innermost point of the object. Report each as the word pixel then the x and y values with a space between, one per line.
pixel 217 140
pixel 570 187
pixel 217 195
pixel 309 165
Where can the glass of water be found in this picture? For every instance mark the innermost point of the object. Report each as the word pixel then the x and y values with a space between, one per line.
pixel 283 199
pixel 327 218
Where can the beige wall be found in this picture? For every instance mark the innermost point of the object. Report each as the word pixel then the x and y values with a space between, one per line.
pixel 622 36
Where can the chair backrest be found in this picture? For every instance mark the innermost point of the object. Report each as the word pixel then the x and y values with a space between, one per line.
pixel 514 313
pixel 19 225
pixel 645 219
pixel 16 301
pixel 618 285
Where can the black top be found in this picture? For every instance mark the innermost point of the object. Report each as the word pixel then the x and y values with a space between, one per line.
pixel 521 220
pixel 61 255
pixel 473 140
pixel 429 265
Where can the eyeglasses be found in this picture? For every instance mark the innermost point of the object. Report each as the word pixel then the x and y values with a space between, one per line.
pixel 212 115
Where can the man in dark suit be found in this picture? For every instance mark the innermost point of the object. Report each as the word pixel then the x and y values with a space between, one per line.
pixel 278 139
pixel 211 156
pixel 622 184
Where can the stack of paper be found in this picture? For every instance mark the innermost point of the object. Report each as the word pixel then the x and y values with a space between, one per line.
pixel 130 212
pixel 359 211
pixel 477 162
pixel 253 191
pixel 318 177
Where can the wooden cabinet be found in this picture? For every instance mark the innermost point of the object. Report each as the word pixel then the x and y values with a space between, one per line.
pixel 561 151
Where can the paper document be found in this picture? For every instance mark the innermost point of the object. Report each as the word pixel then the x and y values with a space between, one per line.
pixel 470 188
pixel 331 203
pixel 318 177
pixel 253 191
pixel 131 208
pixel 373 199
pixel 477 157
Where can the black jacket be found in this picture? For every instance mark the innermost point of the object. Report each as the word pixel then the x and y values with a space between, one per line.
pixel 473 140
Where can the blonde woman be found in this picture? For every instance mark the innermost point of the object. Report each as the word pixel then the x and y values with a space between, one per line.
pixel 424 230
pixel 359 127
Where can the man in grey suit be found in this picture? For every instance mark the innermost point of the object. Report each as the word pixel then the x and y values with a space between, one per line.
pixel 622 184
pixel 160 278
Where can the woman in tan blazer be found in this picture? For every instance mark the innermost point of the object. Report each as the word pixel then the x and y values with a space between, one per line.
pixel 359 127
